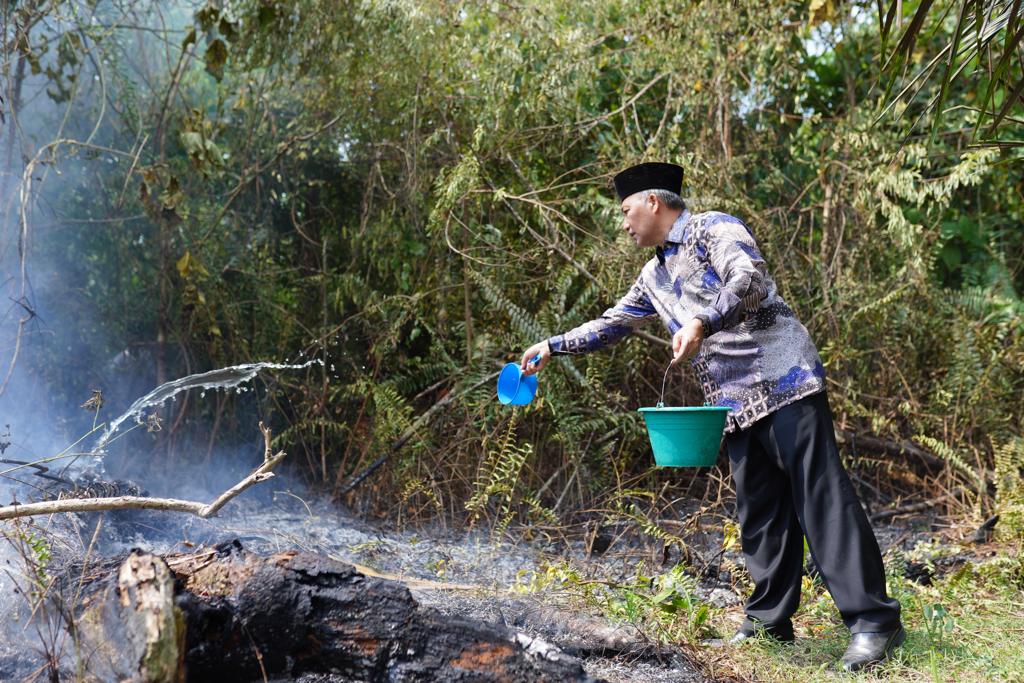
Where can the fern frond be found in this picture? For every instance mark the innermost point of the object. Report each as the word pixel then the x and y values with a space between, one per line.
pixel 538 512
pixel 417 486
pixel 1009 459
pixel 647 526
pixel 521 321
pixel 950 455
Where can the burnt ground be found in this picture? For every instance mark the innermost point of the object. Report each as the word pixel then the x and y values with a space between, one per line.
pixel 469 575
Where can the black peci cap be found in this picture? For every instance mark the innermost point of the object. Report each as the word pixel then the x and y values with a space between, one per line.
pixel 650 176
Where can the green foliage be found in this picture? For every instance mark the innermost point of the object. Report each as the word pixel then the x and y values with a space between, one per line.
pixel 947 453
pixel 1009 464
pixel 33 547
pixel 664 607
pixel 497 479
pixel 37 558
pixel 938 623
pixel 644 524
pixel 959 627
pixel 416 191
pixel 977 55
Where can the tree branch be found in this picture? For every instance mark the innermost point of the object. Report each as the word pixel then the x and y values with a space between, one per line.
pixel 261 473
pixel 916 507
pixel 890 447
pixel 902 448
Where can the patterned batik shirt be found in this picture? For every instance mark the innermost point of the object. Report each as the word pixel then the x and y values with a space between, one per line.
pixel 756 356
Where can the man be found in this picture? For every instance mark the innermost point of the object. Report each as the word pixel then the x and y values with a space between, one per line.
pixel 710 286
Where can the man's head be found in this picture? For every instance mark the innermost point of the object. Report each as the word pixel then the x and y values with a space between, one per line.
pixel 650 201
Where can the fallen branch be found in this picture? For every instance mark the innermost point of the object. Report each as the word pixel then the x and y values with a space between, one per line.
pixel 40 470
pixel 890 447
pixel 916 507
pixel 904 447
pixel 261 473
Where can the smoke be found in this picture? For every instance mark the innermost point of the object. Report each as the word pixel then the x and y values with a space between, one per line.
pixel 90 89
pixel 86 105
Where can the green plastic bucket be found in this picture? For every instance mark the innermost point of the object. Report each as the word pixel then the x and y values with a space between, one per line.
pixel 685 437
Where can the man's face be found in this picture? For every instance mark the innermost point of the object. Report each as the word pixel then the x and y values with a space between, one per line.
pixel 640 219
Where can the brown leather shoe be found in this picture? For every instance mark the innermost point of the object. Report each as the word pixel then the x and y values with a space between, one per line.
pixel 867 649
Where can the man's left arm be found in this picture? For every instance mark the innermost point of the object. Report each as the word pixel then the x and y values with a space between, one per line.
pixel 735 258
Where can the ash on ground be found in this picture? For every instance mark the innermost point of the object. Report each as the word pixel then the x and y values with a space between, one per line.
pixel 467 575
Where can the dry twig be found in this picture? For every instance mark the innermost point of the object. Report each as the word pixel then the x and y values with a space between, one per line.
pixel 261 473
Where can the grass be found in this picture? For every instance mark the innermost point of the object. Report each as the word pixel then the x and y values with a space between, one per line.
pixel 966 626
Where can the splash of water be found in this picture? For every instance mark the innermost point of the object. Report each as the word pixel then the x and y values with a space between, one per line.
pixel 222 378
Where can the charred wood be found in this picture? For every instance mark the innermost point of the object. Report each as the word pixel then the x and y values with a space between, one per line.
pixel 247 617
pixel 130 629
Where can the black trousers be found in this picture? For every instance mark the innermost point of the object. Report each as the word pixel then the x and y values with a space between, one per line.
pixel 790 483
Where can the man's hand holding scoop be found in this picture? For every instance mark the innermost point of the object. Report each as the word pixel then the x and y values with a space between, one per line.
pixel 530 366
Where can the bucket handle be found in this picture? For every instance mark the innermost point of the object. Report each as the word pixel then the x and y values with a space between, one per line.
pixel 661 399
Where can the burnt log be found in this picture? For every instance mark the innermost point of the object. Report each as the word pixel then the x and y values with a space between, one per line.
pixel 130 629
pixel 248 617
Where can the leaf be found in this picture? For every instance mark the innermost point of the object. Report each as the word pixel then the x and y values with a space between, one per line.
pixel 701 615
pixel 1018 90
pixel 946 77
pixel 997 75
pixel 216 56
pixel 191 268
pixel 951 256
pixel 821 11
pixel 33 62
pixel 207 17
pixel 190 39
pixel 192 142
pixel 266 15
pixel 172 195
pixel 664 595
pixel 906 44
pixel 183 265
pixel 228 29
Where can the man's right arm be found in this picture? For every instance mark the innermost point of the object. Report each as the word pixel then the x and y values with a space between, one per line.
pixel 632 310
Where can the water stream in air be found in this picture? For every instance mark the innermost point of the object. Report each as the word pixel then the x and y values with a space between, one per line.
pixel 222 378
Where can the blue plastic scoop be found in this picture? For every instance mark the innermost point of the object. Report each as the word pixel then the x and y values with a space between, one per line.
pixel 515 388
